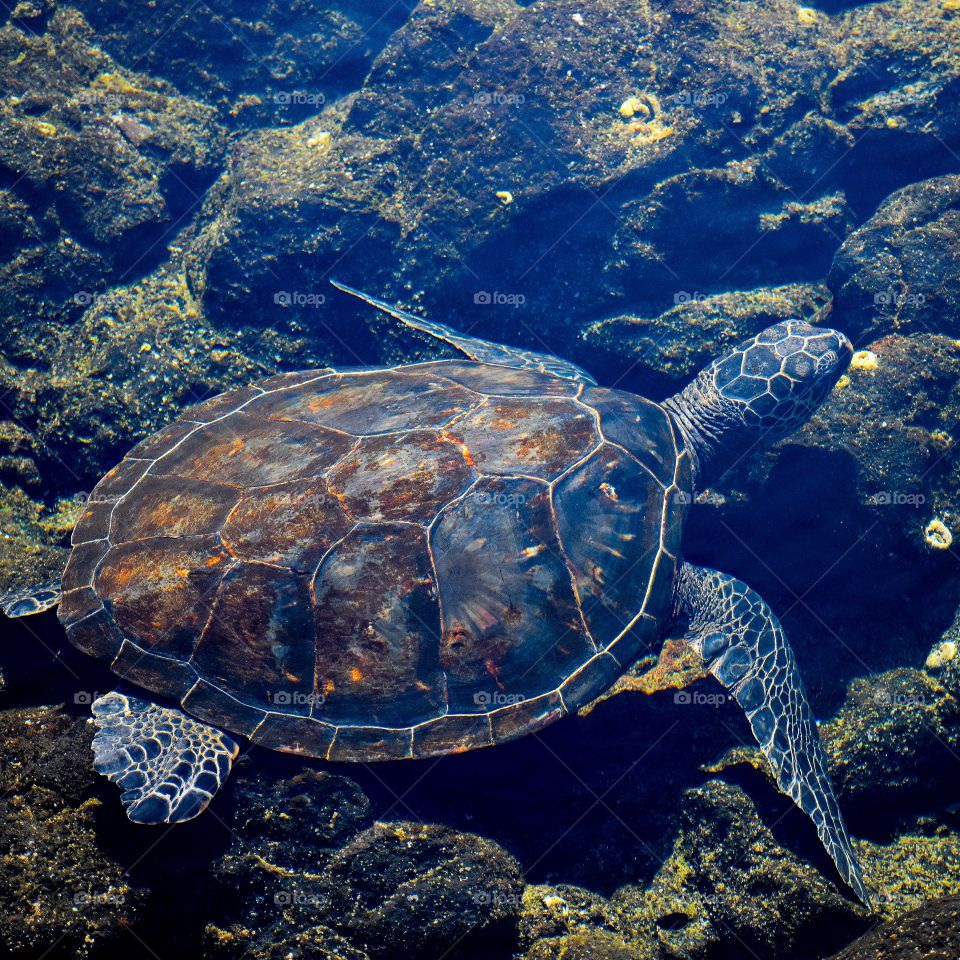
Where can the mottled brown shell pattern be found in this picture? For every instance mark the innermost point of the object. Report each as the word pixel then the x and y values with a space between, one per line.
pixel 380 564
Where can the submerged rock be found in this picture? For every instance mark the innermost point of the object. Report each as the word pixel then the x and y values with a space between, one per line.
pixel 278 943
pixel 33 541
pixel 931 932
pixel 409 889
pixel 102 163
pixel 729 880
pixel 698 328
pixel 259 63
pixel 59 889
pixel 893 746
pixel 595 945
pixel 900 271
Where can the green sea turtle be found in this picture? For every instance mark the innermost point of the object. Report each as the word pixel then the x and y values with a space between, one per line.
pixel 417 560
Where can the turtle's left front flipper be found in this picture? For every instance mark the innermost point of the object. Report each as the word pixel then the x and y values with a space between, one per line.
pixel 168 765
pixel 744 647
pixel 31 600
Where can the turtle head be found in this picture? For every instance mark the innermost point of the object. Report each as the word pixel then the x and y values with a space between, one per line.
pixel 764 389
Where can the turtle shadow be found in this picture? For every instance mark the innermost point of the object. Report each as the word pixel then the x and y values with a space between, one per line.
pixel 592 801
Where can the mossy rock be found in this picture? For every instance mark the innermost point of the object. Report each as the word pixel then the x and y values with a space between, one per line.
pixel 596 945
pixel 402 889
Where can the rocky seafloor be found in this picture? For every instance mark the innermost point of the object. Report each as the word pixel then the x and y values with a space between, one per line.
pixel 632 185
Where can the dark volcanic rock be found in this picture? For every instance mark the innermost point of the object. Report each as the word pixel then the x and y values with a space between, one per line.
pixel 831 526
pixel 260 62
pixel 408 889
pixel 729 880
pixel 900 272
pixel 698 328
pixel 596 945
pixel 893 745
pixel 98 165
pixel 59 890
pixel 705 179
pixel 930 933
pixel 278 943
pixel 285 825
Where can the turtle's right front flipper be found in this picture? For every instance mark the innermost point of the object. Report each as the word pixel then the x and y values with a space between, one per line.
pixel 744 647
pixel 31 600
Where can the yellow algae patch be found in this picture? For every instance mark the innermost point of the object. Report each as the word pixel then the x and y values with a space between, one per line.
pixel 938 535
pixel 842 383
pixel 642 113
pixel 864 360
pixel 650 132
pixel 47 129
pixel 941 440
pixel 941 655
pixel 116 83
pixel 505 197
pixel 630 106
pixel 806 15
pixel 322 140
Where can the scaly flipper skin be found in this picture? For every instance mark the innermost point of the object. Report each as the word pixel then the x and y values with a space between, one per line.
pixel 745 648
pixel 31 600
pixel 168 765
pixel 483 351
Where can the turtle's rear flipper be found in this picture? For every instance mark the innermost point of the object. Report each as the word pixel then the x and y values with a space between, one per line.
pixel 483 351
pixel 30 600
pixel 745 648
pixel 168 765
